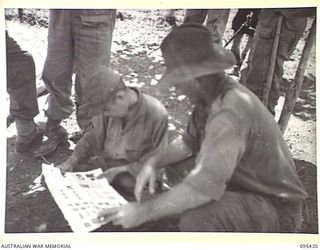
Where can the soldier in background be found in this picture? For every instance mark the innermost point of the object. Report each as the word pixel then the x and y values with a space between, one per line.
pixel 293 25
pixel 216 20
pixel 79 40
pixel 248 18
pixel 171 18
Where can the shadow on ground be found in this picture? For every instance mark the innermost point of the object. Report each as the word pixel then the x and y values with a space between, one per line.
pixel 305 107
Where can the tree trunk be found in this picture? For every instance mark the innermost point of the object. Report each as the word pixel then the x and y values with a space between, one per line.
pixel 267 87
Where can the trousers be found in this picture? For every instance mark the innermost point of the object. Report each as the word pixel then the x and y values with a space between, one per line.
pixel 21 81
pixel 237 210
pixel 216 20
pixel 78 42
pixel 292 28
pixel 240 211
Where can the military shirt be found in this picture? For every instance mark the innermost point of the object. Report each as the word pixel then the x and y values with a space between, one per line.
pixel 143 135
pixel 239 144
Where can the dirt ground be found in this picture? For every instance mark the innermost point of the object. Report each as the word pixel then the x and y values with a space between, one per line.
pixel 136 55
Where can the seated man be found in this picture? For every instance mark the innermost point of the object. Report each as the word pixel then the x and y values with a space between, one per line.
pixel 130 128
pixel 244 178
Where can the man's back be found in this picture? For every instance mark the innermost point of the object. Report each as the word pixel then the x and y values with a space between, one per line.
pixel 266 165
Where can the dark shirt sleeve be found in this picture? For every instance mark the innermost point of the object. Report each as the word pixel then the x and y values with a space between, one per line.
pixel 195 129
pixel 93 140
pixel 221 150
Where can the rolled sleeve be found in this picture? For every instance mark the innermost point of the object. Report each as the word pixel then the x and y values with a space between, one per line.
pixel 221 150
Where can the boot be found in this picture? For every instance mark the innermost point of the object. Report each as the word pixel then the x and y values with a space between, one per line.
pixel 56 135
pixel 29 135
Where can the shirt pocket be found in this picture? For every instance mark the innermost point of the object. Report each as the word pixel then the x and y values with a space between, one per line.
pixel 95 38
pixel 97 21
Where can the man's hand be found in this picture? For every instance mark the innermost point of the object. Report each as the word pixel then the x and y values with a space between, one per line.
pixel 65 167
pixel 147 175
pixel 128 215
pixel 112 172
pixel 68 165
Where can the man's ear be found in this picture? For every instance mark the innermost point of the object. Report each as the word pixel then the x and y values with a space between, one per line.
pixel 121 93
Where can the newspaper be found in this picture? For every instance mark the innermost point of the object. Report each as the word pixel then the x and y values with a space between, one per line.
pixel 81 196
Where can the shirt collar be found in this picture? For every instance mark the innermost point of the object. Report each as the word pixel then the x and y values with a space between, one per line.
pixel 219 93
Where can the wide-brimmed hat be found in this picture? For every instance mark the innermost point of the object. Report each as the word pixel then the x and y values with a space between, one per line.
pixel 189 52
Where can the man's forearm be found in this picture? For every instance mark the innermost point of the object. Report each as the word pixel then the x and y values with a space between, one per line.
pixel 174 202
pixel 73 160
pixel 174 152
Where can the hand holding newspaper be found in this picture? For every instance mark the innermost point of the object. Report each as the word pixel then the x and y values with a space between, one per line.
pixel 81 196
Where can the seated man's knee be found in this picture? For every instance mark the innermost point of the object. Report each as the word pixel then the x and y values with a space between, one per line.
pixel 83 167
pixel 195 220
pixel 124 181
pixel 234 212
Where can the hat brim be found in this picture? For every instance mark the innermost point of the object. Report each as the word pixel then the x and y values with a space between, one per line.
pixel 222 59
pixel 190 72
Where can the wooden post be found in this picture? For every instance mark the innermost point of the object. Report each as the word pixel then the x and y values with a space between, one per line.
pixel 294 89
pixel 267 87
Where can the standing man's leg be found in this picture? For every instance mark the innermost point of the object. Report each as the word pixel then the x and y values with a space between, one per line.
pixel 250 31
pixel 21 86
pixel 171 17
pixel 258 67
pixel 235 48
pixel 217 22
pixel 291 31
pixel 57 76
pixel 195 15
pixel 92 31
pixel 237 22
pixel 57 72
pixel 262 46
pixel 246 49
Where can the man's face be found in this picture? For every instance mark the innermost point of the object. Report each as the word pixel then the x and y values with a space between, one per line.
pixel 191 89
pixel 117 105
